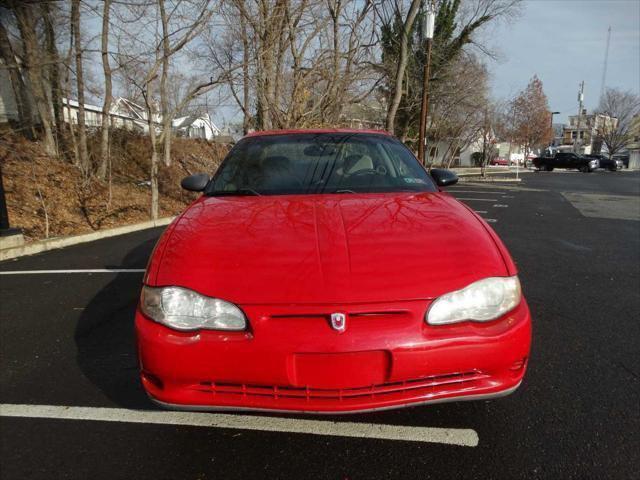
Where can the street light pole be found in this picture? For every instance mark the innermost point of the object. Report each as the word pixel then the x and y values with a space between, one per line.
pixel 552 132
pixel 424 110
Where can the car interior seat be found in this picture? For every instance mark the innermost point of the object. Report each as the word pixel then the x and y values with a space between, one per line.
pixel 355 163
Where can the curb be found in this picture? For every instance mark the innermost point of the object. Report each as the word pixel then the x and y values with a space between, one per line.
pixel 488 173
pixel 61 242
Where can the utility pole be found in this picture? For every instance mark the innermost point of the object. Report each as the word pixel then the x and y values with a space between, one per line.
pixel 576 142
pixel 424 110
pixel 485 129
pixel 606 61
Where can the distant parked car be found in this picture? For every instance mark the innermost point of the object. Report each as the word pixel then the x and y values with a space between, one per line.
pixel 499 161
pixel 611 164
pixel 566 160
pixel 624 158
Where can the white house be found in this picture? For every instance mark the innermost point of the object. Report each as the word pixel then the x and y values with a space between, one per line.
pixel 124 114
pixel 131 116
pixel 195 126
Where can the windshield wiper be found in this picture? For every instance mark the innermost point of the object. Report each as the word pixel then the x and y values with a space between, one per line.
pixel 239 191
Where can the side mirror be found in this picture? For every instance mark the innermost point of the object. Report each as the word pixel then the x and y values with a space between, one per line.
pixel 443 177
pixel 195 183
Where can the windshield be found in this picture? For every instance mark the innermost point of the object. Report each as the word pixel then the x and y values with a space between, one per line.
pixel 319 163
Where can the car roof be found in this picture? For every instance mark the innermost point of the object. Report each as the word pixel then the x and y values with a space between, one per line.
pixel 317 130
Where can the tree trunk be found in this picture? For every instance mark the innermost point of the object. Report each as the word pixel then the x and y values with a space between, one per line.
pixel 106 106
pixel 66 92
pixel 83 152
pixel 54 74
pixel 153 177
pixel 33 64
pixel 246 118
pixel 25 116
pixel 164 101
pixel 402 65
pixel 331 108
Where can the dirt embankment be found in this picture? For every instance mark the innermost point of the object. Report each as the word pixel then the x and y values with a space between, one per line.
pixel 48 197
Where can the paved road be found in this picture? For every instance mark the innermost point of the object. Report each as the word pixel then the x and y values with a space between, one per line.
pixel 67 340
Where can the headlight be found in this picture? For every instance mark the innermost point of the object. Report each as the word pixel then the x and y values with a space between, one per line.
pixel 184 309
pixel 481 301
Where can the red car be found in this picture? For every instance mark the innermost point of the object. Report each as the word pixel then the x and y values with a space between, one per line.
pixel 499 161
pixel 326 271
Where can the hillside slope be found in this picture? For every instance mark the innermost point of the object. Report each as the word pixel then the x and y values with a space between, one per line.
pixel 47 197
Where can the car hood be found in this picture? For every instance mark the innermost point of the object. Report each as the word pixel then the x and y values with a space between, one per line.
pixel 315 249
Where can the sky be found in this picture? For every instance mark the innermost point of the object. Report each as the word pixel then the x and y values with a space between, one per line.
pixel 564 43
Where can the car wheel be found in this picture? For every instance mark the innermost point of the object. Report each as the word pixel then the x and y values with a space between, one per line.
pixel 613 169
pixel 584 169
pixel 549 168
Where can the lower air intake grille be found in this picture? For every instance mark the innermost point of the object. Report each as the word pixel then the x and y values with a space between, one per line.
pixel 275 392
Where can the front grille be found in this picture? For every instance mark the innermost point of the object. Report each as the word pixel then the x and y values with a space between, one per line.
pixel 388 314
pixel 412 387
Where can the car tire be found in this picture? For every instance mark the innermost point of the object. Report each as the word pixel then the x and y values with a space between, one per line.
pixel 549 168
pixel 584 169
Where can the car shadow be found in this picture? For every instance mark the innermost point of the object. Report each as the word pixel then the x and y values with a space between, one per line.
pixel 105 336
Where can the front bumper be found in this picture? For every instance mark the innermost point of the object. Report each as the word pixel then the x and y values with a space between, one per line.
pixel 292 360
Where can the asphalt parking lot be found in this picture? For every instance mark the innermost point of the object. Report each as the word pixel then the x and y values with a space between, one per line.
pixel 66 334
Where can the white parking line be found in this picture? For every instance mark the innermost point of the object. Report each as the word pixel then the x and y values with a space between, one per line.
pixel 96 270
pixel 500 205
pixel 474 191
pixel 491 220
pixel 480 211
pixel 479 199
pixel 464 437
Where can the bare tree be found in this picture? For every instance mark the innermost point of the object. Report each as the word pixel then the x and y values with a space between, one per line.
pixel 141 64
pixel 622 107
pixel 108 87
pixel 407 26
pixel 295 63
pixel 83 151
pixel 23 104
pixel 33 63
pixel 458 107
pixel 53 67
pixel 192 26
